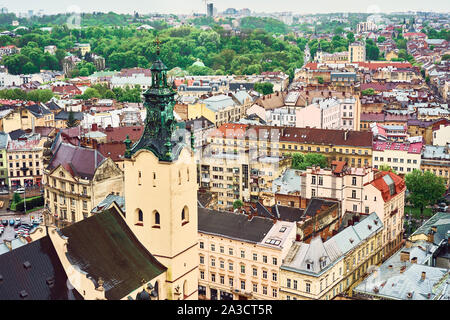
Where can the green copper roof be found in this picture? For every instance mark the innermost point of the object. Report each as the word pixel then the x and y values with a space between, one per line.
pixel 160 123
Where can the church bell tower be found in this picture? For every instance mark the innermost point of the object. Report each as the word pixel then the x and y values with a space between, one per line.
pixel 161 189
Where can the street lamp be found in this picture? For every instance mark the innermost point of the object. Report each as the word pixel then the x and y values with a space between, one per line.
pixel 24 170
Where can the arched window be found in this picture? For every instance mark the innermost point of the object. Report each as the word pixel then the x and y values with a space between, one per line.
pixel 139 217
pixel 184 215
pixel 157 220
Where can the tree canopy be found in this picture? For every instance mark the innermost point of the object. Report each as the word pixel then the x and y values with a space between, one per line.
pixel 425 188
pixel 301 161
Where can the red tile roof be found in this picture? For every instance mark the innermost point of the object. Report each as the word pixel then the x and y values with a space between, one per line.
pixel 119 134
pixel 376 65
pixel 114 150
pixel 381 184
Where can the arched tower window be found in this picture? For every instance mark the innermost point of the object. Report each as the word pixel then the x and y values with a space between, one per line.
pixel 139 217
pixel 156 218
pixel 184 215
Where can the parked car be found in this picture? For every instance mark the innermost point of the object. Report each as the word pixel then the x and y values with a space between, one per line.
pixel 11 222
pixel 4 191
pixel 5 222
pixel 443 206
pixel 20 190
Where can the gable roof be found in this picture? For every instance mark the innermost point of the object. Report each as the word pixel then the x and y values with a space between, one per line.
pixel 77 160
pixel 104 246
pixel 45 266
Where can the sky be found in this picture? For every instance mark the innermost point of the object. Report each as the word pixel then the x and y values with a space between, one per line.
pixel 189 6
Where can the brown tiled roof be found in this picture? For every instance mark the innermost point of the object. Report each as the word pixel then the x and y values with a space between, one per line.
pixel 114 150
pixel 119 134
pixel 271 101
pixel 327 137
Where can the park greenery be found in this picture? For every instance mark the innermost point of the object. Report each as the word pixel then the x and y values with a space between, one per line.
pixel 425 188
pixel 301 161
pixel 39 95
pixel 264 87
pixel 101 91
pixel 221 52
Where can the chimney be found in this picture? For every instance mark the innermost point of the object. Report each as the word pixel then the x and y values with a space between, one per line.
pixel 345 135
pixel 424 275
pixel 404 256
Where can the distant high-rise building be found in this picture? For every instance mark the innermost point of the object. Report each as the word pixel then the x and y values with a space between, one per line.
pixel 4 10
pixel 210 10
pixel 357 52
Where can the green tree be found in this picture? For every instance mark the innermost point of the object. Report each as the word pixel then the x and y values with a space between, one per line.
pixel 302 161
pixel 71 122
pixel 368 92
pixel 90 93
pixel 425 188
pixel 264 87
pixel 320 80
pixel 386 167
pixel 237 204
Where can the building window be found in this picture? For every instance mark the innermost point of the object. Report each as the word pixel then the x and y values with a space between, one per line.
pixel 242 268
pixel 255 287
pixel 354 181
pixel 213 247
pixel 230 251
pixel 255 272
pixel 274 260
pixel 255 257
pixel 242 254
pixel 230 266
pixel 242 285
pixel 222 264
pixel 230 282
pixel 308 288
pixel 264 274
pixel 202 245
pixel 184 215
pixel 213 277
pixel 288 283
pixel 202 260
pixel 202 275
pixel 265 259
pixel 264 290
pixel 213 262
pixel 274 276
pixel 157 218
pixel 295 284
pixel 274 292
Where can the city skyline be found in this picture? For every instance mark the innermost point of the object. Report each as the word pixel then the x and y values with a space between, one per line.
pixel 182 7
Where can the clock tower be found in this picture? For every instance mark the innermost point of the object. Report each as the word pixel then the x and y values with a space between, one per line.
pixel 161 189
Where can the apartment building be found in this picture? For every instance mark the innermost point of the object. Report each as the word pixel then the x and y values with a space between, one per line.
pixel 240 256
pixel 221 108
pixel 331 113
pixel 385 195
pixel 324 269
pixel 403 157
pixel 25 163
pixel 4 139
pixel 77 179
pixel 340 182
pixel 436 159
pixel 357 52
pixel 355 147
